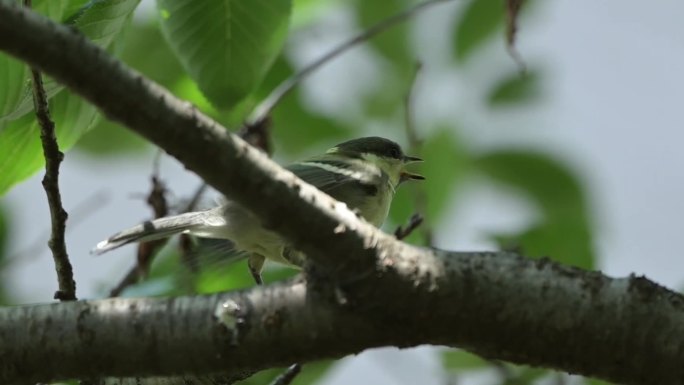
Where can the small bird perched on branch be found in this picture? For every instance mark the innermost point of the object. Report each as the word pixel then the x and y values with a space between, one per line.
pixel 363 173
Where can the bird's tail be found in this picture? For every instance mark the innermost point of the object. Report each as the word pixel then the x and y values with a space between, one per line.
pixel 161 228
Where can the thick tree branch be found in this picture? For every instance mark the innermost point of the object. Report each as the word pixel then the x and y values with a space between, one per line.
pixel 627 330
pixel 58 216
pixel 364 289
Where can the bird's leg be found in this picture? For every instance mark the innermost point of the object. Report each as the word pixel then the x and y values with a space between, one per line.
pixel 295 257
pixel 256 263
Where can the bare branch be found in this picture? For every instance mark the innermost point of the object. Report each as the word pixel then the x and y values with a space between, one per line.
pixel 265 107
pixel 625 330
pixel 58 216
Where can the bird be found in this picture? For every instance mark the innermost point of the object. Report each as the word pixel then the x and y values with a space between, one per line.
pixel 363 173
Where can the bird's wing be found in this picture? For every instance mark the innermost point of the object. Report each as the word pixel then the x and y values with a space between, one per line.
pixel 332 177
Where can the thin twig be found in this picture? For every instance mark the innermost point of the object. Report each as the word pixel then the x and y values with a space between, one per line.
pixel 288 376
pixel 258 134
pixel 512 11
pixel 415 144
pixel 266 106
pixel 58 216
pixel 414 222
pixel 156 199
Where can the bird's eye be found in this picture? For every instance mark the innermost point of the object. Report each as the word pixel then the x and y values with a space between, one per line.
pixel 395 153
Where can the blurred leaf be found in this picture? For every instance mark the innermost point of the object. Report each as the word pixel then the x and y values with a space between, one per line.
pixel 21 153
pixel 146 51
pixel 110 139
pixel 445 162
pixel 295 129
pixel 311 373
pixel 16 89
pixel 226 46
pixel 480 20
pixel 547 181
pixel 393 43
pixel 4 230
pixel 564 232
pixel 461 360
pixel 218 277
pixel 568 242
pixel 594 381
pixel 515 88
pixel 100 20
pixel 304 12
pixel 525 375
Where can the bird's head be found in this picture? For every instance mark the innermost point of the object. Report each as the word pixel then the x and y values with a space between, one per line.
pixel 383 153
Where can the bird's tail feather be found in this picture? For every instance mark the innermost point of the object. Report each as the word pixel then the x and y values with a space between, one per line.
pixel 151 230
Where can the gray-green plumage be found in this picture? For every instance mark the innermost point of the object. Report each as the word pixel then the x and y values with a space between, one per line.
pixel 363 173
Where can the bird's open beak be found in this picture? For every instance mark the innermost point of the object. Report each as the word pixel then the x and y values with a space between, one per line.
pixel 411 159
pixel 405 175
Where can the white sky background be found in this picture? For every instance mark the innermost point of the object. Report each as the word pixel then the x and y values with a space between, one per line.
pixel 613 110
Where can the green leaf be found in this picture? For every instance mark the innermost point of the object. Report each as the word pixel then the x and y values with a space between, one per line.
pixel 110 139
pixel 564 231
pixel 595 381
pixel 311 373
pixel 16 92
pixel 478 23
pixel 461 360
pixel 226 46
pixel 515 88
pixel 4 230
pixel 146 51
pixel 295 128
pixel 100 20
pixel 306 12
pixel 20 150
pixel 394 43
pixel 525 375
pixel 21 153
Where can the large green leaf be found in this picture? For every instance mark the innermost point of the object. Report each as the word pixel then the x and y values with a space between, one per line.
pixel 100 20
pixel 20 150
pixel 514 88
pixel 21 153
pixel 146 51
pixel 480 20
pixel 393 43
pixel 461 360
pixel 564 230
pixel 15 94
pixel 311 374
pixel 226 45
